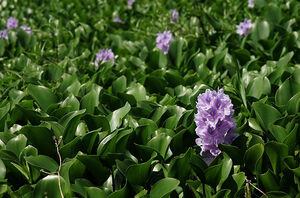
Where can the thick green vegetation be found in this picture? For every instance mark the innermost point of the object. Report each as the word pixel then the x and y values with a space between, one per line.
pixel 126 128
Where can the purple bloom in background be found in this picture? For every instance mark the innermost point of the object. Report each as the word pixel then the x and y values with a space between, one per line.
pixel 214 122
pixel 130 2
pixel 250 4
pixel 163 41
pixel 118 20
pixel 174 16
pixel 12 23
pixel 26 29
pixel 103 56
pixel 244 27
pixel 3 34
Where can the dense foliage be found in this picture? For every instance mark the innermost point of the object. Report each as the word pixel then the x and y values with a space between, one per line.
pixel 126 128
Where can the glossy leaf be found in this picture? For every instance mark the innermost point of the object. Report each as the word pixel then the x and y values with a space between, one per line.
pixel 43 161
pixel 42 95
pixel 163 187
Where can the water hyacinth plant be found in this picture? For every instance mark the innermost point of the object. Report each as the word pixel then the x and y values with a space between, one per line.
pixel 174 16
pixel 163 41
pixel 214 122
pixel 251 4
pixel 118 20
pixel 103 56
pixel 3 34
pixel 243 28
pixel 26 29
pixel 130 2
pixel 12 23
pixel 150 99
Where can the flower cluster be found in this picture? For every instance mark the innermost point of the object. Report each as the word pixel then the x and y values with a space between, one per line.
pixel 130 2
pixel 174 16
pixel 250 4
pixel 243 28
pixel 26 29
pixel 103 56
pixel 118 20
pixel 163 41
pixel 3 34
pixel 214 122
pixel 12 23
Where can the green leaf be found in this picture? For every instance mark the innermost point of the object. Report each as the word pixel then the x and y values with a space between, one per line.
pixel 239 179
pixel 17 144
pixel 42 95
pixel 198 165
pixel 261 30
pixel 157 59
pixel 160 143
pixel 115 118
pixel 163 187
pixel 93 192
pixel 180 166
pixel 124 193
pixel 224 193
pixel 97 121
pixel 269 181
pixel 175 51
pixel 181 142
pixel 273 14
pixel 43 161
pixel 137 174
pixel 215 175
pixel 288 89
pixel 2 47
pixel 138 91
pixel 282 65
pixel 276 152
pixel 260 86
pixel 2 170
pixel 278 132
pixel 90 101
pixel 291 164
pixel 174 78
pixel 291 138
pixel 52 73
pixel 70 122
pixel 119 85
pixel 49 186
pixel 72 102
pixel 233 152
pixel 293 105
pixel 252 157
pixel 265 114
pixel 213 21
pixel 41 138
pixel 95 168
pixel 254 125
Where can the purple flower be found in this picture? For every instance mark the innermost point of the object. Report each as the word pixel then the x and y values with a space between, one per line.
pixel 26 29
pixel 130 2
pixel 3 34
pixel 250 4
pixel 244 27
pixel 103 56
pixel 118 20
pixel 174 16
pixel 12 23
pixel 163 41
pixel 214 122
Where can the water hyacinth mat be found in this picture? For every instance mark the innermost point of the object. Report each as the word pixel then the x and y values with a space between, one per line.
pixel 150 99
